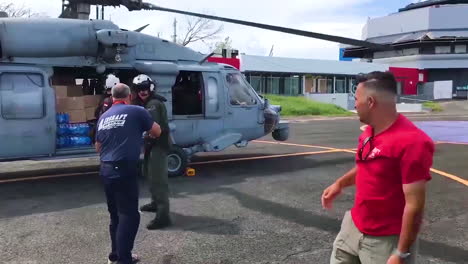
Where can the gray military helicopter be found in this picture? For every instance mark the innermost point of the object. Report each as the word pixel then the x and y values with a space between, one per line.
pixel 210 106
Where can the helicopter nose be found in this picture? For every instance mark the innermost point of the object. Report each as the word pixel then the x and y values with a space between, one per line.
pixel 277 108
pixel 271 119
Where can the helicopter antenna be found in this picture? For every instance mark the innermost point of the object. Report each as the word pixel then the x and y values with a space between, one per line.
pixel 271 50
pixel 174 37
pixel 206 57
pixel 141 28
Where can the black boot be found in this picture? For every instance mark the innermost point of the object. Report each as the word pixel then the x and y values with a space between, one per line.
pixel 159 223
pixel 161 220
pixel 151 207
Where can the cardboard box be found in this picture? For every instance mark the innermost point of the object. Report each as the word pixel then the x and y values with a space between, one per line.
pixel 74 91
pixel 90 113
pixel 75 103
pixel 61 105
pixel 62 91
pixel 63 79
pixel 91 100
pixel 77 116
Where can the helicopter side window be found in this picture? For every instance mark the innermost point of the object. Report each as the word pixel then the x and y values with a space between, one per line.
pixel 239 92
pixel 187 94
pixel 213 103
pixel 22 95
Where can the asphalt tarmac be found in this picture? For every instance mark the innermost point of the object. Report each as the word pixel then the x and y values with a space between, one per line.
pixel 259 204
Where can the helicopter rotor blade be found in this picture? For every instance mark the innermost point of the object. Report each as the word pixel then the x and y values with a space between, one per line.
pixel 349 41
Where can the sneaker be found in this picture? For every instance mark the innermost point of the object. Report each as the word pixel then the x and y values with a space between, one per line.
pixel 151 207
pixel 135 259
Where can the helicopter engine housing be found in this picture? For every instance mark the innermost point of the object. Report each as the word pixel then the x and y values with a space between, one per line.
pixel 70 37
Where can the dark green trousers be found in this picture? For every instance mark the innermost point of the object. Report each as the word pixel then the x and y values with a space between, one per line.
pixel 155 170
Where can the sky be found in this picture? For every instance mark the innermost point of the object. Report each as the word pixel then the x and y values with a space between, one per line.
pixel 336 17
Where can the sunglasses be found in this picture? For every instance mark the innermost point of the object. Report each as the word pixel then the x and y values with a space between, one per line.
pixel 367 143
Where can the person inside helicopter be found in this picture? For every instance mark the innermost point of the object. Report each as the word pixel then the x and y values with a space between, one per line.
pixel 239 92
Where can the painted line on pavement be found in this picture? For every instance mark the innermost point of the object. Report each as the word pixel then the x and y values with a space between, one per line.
pixel 292 144
pixel 451 176
pixel 305 146
pixel 442 173
pixel 192 163
pixel 267 157
pixel 47 177
pixel 452 143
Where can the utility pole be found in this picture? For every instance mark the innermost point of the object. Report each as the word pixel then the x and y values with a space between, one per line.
pixel 174 37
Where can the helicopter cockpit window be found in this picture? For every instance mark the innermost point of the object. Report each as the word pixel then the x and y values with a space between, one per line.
pixel 22 95
pixel 239 92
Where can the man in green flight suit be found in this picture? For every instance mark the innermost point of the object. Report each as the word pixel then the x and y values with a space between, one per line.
pixel 156 151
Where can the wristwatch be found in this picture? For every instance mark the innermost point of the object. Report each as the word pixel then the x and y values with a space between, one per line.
pixel 401 254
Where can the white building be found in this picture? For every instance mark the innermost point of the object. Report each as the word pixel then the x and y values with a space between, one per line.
pixel 323 80
pixel 431 36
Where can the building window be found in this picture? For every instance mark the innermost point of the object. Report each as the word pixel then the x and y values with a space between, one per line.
pixel 442 49
pixel 22 95
pixel 292 85
pixel 340 86
pixel 460 49
pixel 325 85
pixel 352 85
pixel 428 50
pixel 257 83
pixel 409 52
pixel 273 84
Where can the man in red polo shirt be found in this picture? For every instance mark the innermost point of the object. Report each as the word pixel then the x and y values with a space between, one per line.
pixel 393 164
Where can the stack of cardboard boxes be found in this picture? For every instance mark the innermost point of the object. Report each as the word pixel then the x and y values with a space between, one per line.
pixel 70 100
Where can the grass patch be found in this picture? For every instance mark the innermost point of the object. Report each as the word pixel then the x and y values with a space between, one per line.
pixel 435 107
pixel 301 106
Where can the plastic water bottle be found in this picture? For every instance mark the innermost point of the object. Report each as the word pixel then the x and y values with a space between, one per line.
pixel 62 142
pixel 80 141
pixel 62 130
pixel 83 130
pixel 66 118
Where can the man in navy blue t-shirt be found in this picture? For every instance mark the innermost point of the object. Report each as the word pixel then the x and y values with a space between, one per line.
pixel 119 140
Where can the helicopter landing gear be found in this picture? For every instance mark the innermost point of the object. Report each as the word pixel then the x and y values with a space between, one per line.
pixel 177 161
pixel 281 133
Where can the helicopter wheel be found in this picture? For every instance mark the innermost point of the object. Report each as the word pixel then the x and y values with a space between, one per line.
pixel 280 134
pixel 177 161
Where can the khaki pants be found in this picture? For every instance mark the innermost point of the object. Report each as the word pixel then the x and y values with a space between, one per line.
pixel 353 247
